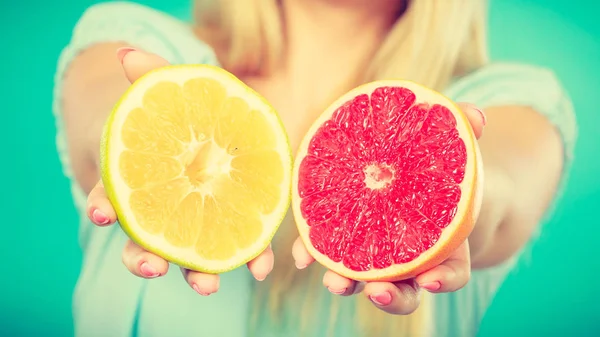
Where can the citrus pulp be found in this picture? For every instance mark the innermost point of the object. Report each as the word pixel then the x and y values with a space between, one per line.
pixel 197 166
pixel 386 183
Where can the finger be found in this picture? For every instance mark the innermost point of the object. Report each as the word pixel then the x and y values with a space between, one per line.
pixel 99 208
pixel 301 256
pixel 476 117
pixel 203 284
pixel 261 266
pixel 143 263
pixel 399 298
pixel 339 285
pixel 137 63
pixel 451 275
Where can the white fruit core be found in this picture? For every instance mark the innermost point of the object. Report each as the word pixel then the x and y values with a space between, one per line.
pixel 378 176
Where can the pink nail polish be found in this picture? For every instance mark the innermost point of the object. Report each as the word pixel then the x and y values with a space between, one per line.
pixel 148 271
pixel 382 299
pixel 99 218
pixel 196 289
pixel 338 291
pixel 431 286
pixel 121 52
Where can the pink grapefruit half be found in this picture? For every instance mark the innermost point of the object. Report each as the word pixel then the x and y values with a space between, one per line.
pixel 387 182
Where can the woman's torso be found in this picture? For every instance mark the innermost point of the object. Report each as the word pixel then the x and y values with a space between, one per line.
pixel 109 301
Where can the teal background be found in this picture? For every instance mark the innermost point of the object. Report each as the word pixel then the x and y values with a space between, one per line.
pixel 553 293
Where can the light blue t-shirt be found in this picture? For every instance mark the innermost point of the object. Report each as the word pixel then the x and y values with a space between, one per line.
pixel 109 301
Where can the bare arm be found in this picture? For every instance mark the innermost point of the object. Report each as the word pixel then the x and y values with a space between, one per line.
pixel 92 84
pixel 522 156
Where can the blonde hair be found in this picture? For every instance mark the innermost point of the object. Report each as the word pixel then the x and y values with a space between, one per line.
pixel 431 43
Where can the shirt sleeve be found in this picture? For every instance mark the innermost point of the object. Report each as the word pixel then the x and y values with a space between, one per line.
pixel 136 25
pixel 141 27
pixel 518 84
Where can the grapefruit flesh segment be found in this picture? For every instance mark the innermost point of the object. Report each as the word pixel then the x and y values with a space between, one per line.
pixel 381 177
pixel 198 167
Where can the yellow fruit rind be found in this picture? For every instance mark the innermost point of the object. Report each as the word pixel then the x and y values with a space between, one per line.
pixel 110 189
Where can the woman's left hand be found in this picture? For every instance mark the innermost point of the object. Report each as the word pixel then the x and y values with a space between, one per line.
pixel 402 298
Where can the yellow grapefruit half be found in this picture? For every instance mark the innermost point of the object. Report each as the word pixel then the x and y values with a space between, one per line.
pixel 197 166
pixel 387 182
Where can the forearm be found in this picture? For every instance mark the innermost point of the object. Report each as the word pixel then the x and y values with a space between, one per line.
pixel 92 84
pixel 497 191
pixel 522 156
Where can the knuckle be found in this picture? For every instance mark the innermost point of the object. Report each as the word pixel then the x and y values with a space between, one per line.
pixel 463 277
pixel 91 201
pixel 467 276
pixel 127 256
pixel 189 277
pixel 296 250
pixel 197 277
pixel 125 259
pixel 407 305
pixel 408 299
pixel 408 310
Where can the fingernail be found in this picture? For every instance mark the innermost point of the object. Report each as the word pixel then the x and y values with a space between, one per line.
pixel 300 266
pixel 99 218
pixel 260 278
pixel 337 292
pixel 195 287
pixel 121 52
pixel 381 299
pixel 483 117
pixel 148 271
pixel 431 286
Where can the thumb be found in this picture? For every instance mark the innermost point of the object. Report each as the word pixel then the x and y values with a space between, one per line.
pixel 476 117
pixel 137 63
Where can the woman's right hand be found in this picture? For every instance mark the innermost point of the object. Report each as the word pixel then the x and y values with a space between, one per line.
pixel 139 261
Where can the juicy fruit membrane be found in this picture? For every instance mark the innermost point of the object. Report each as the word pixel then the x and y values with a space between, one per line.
pixel 197 166
pixel 386 182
